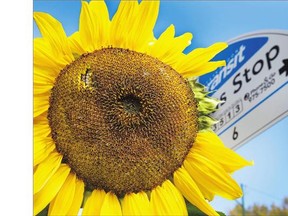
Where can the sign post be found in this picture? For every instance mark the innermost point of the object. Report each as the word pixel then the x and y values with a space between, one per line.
pixel 252 85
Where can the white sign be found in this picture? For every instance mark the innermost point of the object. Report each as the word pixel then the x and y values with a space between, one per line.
pixel 253 86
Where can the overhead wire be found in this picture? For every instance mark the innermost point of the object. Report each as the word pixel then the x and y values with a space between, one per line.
pixel 262 192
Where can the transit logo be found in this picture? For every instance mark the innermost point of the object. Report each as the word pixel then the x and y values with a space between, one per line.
pixel 236 55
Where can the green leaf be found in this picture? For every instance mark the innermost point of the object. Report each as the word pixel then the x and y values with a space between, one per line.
pixel 44 212
pixel 194 211
pixel 206 105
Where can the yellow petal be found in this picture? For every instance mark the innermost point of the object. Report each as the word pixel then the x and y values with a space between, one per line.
pixel 136 204
pixel 196 61
pixel 86 28
pixel 63 200
pixel 94 203
pixel 75 44
pixel 43 81
pixel 42 148
pixel 41 104
pixel 41 88
pixel 94 25
pixel 46 59
pixel 209 145
pixel 52 31
pixel 175 54
pixel 100 18
pixel 43 76
pixel 43 143
pixel 167 200
pixel 78 198
pixel 204 69
pixel 40 156
pixel 41 120
pixel 122 23
pixel 41 129
pixel 45 170
pixel 169 49
pixel 206 192
pixel 159 48
pixel 191 192
pixel 42 139
pixel 179 199
pixel 111 205
pixel 202 55
pixel 142 31
pixel 212 176
pixel 52 187
pixel 183 41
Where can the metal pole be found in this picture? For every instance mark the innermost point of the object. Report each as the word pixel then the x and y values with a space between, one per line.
pixel 242 201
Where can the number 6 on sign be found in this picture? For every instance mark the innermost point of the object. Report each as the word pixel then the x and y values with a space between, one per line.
pixel 235 134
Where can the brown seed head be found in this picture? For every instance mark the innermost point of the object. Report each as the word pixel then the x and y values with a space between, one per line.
pixel 123 120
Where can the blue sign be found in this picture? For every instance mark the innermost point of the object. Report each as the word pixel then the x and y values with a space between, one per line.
pixel 235 58
pixel 251 86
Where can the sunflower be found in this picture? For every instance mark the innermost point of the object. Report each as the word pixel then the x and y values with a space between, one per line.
pixel 121 125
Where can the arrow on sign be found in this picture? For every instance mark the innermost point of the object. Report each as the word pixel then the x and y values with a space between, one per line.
pixel 284 68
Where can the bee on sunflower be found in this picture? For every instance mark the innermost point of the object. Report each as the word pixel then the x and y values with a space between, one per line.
pixel 121 126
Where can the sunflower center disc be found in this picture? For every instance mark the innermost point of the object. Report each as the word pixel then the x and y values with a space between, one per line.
pixel 124 121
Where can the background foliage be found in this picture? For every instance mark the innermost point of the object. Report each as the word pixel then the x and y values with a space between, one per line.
pixel 262 210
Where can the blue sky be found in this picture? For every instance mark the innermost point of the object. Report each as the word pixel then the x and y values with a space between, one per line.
pixel 212 21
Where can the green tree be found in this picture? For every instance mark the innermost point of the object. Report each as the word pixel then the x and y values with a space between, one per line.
pixel 262 210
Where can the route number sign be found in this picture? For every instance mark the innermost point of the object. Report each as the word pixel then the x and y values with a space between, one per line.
pixel 252 86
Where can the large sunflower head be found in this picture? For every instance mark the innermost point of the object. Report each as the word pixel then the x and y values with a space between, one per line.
pixel 120 124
